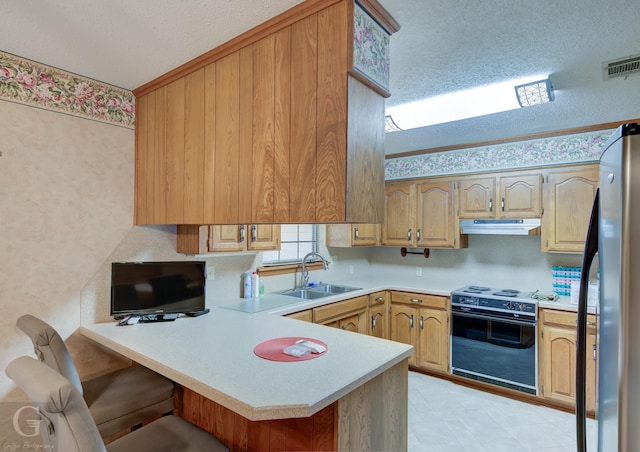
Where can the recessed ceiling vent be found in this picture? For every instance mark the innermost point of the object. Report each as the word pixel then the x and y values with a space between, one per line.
pixel 622 68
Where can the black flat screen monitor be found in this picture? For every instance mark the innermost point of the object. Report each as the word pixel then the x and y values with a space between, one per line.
pixel 156 288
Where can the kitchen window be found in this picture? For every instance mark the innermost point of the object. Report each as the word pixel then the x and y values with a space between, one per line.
pixel 296 240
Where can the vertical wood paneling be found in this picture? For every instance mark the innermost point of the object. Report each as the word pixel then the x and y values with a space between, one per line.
pixel 332 111
pixel 282 125
pixel 325 428
pixel 159 208
pixel 175 152
pixel 299 434
pixel 245 179
pixel 194 148
pixel 142 151
pixel 152 124
pixel 304 51
pixel 365 158
pixel 209 142
pixel 263 129
pixel 226 187
pixel 317 432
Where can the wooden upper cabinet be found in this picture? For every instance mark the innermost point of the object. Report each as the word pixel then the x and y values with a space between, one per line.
pixel 520 196
pixel 398 227
pixel 436 223
pixel 274 126
pixel 569 195
pixel 196 239
pixel 516 195
pixel 349 235
pixel 477 197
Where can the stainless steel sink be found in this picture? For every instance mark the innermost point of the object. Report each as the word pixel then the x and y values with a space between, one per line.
pixel 322 290
pixel 304 294
pixel 333 289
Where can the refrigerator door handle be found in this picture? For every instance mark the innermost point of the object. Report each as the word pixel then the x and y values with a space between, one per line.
pixel 590 250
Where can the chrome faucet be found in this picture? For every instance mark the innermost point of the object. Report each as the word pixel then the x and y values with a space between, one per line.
pixel 305 270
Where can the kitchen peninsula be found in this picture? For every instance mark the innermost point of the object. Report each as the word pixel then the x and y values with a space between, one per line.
pixel 352 397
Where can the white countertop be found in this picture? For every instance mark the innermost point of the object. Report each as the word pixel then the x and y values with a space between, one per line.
pixel 275 303
pixel 282 304
pixel 213 355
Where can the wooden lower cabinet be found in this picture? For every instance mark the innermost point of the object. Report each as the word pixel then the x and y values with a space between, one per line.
pixel 422 321
pixel 349 315
pixel 379 315
pixel 306 315
pixel 557 358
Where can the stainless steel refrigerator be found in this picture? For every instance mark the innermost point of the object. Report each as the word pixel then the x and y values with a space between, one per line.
pixel 614 236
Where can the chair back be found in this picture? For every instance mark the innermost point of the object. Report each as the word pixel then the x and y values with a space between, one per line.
pixel 66 424
pixel 49 348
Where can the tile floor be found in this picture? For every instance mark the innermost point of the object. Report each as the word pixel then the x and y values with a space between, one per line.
pixel 446 417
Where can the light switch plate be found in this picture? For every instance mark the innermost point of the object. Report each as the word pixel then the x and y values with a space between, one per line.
pixel 418 271
pixel 211 272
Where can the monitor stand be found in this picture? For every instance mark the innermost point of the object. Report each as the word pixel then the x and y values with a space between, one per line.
pixel 158 318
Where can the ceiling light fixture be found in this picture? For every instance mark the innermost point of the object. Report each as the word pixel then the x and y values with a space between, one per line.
pixel 535 93
pixel 471 103
pixel 390 125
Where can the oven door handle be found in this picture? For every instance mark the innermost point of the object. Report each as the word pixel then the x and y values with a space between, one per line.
pixel 499 319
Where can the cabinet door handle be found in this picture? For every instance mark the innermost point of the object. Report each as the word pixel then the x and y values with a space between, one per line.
pixel 241 234
pixel 355 233
pixel 254 236
pixel 415 300
pixel 409 234
pixel 379 299
pixel 421 322
pixel 490 204
pixel 418 235
pixel 503 204
pixel 373 322
pixel 411 321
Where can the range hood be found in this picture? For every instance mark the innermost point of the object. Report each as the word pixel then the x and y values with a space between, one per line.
pixel 529 226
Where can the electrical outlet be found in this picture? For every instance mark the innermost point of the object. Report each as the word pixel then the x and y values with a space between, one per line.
pixel 334 260
pixel 351 269
pixel 211 272
pixel 418 271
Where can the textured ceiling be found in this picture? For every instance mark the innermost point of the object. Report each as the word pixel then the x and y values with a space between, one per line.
pixel 443 46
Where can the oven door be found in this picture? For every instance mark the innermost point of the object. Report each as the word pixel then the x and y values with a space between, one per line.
pixel 494 350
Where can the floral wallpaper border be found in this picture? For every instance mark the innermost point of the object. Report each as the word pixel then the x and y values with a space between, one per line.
pixel 370 48
pixel 566 149
pixel 31 83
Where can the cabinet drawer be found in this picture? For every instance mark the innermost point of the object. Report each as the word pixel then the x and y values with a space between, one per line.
pixel 306 315
pixel 563 318
pixel 341 307
pixel 377 298
pixel 419 299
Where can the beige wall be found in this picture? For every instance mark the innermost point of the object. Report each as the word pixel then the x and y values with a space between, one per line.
pixel 66 201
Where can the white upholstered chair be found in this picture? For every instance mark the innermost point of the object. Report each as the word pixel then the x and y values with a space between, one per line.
pixel 67 425
pixel 118 400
